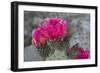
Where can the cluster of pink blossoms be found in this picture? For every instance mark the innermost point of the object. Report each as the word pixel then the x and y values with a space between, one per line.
pixel 53 29
pixel 50 29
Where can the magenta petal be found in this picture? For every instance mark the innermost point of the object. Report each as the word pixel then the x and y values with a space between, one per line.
pixel 38 35
pixel 82 54
pixel 56 27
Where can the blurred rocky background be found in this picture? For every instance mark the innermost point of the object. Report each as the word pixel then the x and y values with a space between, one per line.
pixel 79 21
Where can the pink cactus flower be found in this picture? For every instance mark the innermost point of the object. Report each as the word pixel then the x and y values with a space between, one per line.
pixel 56 28
pixel 51 28
pixel 39 36
pixel 82 54
pixel 78 53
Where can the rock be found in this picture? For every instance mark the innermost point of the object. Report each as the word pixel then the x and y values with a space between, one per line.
pixel 31 54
